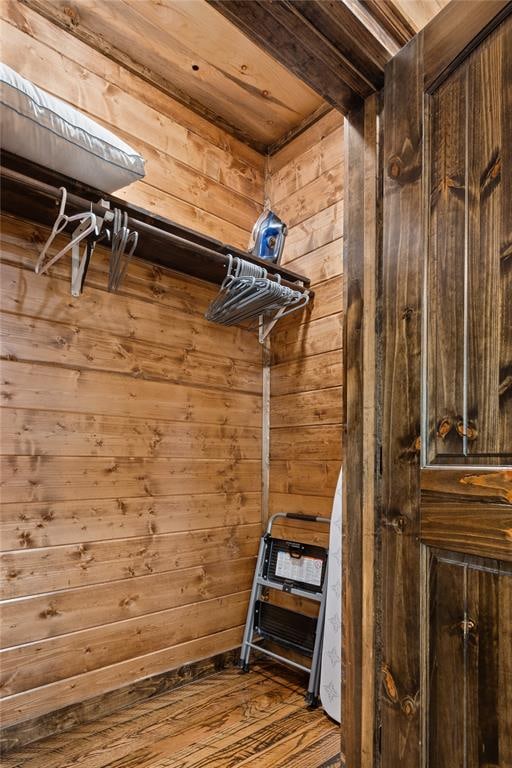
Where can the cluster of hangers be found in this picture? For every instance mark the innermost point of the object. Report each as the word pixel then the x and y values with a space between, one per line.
pixel 248 292
pixel 111 228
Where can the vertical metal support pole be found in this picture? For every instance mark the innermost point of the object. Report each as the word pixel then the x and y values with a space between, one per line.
pixel 265 434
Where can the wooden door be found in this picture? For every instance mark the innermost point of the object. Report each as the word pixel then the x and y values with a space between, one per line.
pixel 446 487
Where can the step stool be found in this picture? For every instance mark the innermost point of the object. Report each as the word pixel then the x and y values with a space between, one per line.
pixel 298 569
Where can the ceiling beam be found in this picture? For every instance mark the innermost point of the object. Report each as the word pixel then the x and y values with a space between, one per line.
pixel 338 47
pixel 390 18
pixel 352 30
pixel 284 34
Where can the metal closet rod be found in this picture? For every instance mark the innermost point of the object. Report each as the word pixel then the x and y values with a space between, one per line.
pixel 208 253
pixel 77 204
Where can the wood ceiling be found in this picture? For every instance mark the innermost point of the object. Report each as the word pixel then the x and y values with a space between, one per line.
pixel 237 62
pixel 418 12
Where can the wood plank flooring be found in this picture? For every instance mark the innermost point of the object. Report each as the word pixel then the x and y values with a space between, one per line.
pixel 227 720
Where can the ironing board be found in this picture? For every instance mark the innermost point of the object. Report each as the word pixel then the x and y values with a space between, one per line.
pixel 330 679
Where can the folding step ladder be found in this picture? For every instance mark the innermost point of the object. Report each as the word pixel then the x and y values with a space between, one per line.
pixel 298 569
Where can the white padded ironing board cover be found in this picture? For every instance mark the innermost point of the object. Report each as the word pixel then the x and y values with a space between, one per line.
pixel 330 679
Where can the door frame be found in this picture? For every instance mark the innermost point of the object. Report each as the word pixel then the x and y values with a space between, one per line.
pixel 384 567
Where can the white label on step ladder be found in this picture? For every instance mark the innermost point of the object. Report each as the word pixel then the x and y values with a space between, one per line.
pixel 305 569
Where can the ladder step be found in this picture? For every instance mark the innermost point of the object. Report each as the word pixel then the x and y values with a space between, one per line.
pixel 284 659
pixel 290 589
pixel 286 627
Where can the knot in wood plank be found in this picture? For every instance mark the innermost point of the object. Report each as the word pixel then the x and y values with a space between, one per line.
pixel 399 523
pixel 389 685
pixel 444 427
pixel 73 17
pixel 405 167
pixel 468 430
pixel 491 174
pixel 498 485
pixel 395 167
pixel 409 706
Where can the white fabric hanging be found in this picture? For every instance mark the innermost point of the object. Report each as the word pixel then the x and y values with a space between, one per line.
pixel 330 679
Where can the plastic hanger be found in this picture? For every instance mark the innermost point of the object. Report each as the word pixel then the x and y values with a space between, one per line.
pixel 89 230
pixel 247 293
pixel 86 227
pixel 124 242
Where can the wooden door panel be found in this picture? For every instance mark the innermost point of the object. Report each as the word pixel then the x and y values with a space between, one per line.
pixel 446 267
pixel 446 364
pixel 469 296
pixel 470 691
pixel 505 251
pixel 446 611
pixel 489 364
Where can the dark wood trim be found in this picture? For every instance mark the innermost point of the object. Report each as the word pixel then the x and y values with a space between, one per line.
pixel 275 27
pixel 480 529
pixel 403 231
pixel 62 720
pixel 478 563
pixel 391 19
pixel 455 31
pixel 361 271
pixel 353 260
pixel 340 26
pixel 335 762
pixel 371 424
pixel 490 485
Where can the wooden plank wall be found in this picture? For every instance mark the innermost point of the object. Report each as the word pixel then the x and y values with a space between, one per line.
pixel 131 427
pixel 306 189
pixel 130 478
